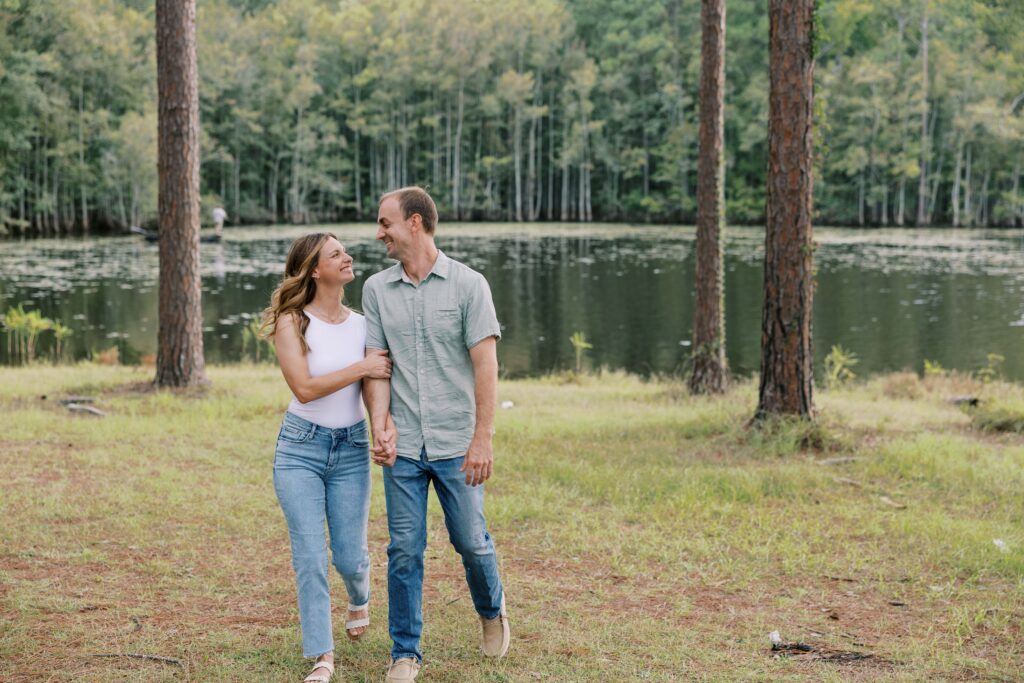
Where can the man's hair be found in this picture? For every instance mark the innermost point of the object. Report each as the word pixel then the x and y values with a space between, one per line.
pixel 415 200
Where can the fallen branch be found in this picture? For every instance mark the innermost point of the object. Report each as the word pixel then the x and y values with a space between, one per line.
pixel 152 658
pixel 92 410
pixel 892 503
pixel 847 480
pixel 837 461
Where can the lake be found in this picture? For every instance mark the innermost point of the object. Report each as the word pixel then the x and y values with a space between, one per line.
pixel 893 297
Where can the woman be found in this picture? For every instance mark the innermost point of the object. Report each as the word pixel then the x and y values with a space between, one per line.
pixel 321 464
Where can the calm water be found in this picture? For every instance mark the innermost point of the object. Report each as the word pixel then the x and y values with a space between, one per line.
pixel 893 297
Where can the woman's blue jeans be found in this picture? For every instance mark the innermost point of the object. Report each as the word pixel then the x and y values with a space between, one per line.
pixel 405 488
pixel 324 474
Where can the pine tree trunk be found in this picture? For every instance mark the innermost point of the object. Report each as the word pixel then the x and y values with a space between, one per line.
pixel 180 337
pixel 709 362
pixel 786 353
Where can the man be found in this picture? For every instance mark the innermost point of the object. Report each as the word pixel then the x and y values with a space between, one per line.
pixel 219 216
pixel 436 318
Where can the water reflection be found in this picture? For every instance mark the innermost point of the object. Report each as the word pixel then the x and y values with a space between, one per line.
pixel 893 297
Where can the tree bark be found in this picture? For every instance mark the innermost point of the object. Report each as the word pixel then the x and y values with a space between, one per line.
pixel 709 362
pixel 180 337
pixel 786 352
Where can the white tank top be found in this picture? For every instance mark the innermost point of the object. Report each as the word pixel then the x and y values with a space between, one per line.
pixel 331 348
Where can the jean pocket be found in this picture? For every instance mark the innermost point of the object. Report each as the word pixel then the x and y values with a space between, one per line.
pixel 293 434
pixel 359 438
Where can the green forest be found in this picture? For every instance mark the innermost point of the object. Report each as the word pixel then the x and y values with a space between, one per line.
pixel 510 110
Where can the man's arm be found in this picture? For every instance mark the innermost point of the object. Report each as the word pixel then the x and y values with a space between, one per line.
pixel 479 459
pixel 377 392
pixel 377 397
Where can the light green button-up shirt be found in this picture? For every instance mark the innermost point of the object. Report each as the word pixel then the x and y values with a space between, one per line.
pixel 429 329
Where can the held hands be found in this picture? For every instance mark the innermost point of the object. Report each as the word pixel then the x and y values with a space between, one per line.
pixel 385 448
pixel 478 461
pixel 376 365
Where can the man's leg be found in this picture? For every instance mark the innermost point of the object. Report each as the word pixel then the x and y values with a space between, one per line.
pixel 463 507
pixel 405 490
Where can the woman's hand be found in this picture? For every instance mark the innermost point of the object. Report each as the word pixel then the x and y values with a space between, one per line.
pixel 376 365
pixel 385 449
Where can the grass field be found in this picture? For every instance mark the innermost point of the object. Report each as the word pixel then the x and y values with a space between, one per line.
pixel 644 535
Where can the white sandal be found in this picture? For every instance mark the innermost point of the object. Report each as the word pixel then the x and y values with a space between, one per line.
pixel 320 678
pixel 357 623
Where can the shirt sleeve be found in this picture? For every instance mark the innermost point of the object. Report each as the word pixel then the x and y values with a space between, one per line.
pixel 479 319
pixel 375 338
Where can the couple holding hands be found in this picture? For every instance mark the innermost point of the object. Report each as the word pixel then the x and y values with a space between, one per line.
pixel 423 360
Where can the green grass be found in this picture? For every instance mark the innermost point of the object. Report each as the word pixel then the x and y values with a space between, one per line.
pixel 644 535
pixel 1002 412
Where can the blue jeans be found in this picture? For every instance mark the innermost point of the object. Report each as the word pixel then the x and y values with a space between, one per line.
pixel 323 474
pixel 405 488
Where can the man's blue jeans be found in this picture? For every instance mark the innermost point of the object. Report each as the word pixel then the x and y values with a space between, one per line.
pixel 405 489
pixel 320 474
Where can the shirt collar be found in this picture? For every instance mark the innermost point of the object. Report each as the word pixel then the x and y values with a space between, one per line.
pixel 442 266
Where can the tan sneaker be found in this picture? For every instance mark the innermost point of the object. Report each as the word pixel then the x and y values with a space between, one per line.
pixel 403 670
pixel 496 633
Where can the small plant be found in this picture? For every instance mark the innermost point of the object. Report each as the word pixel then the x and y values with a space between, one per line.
pixel 932 368
pixel 110 356
pixel 23 330
pixel 251 338
pixel 14 324
pixel 837 366
pixel 60 333
pixel 580 345
pixel 992 369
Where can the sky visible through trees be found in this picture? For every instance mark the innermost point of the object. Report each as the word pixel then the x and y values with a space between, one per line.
pixel 506 110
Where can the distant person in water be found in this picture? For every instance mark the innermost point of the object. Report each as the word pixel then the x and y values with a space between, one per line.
pixel 322 459
pixel 219 216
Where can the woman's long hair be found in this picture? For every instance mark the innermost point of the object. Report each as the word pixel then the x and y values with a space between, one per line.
pixel 297 288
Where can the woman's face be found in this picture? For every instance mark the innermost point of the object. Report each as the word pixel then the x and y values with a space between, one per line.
pixel 335 265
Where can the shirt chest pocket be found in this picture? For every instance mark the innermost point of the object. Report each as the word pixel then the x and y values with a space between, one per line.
pixel 447 322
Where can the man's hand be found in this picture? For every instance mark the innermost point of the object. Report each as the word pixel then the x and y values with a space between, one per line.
pixel 479 460
pixel 385 447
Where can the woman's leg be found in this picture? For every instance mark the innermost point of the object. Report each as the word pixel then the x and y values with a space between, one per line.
pixel 301 492
pixel 348 510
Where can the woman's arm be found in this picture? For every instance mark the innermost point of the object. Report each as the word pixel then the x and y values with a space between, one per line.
pixel 307 388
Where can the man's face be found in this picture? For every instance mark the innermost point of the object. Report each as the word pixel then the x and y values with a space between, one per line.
pixel 393 229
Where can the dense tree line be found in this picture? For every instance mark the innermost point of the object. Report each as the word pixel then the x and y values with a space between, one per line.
pixel 507 110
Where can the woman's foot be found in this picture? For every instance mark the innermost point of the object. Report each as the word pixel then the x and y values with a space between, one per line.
pixel 357 623
pixel 322 670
